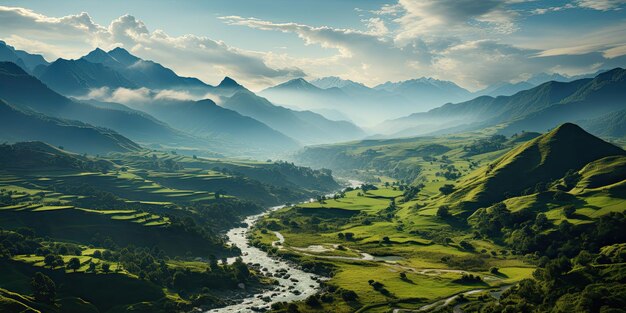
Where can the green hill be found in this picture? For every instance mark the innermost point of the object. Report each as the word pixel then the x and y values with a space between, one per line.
pixel 542 160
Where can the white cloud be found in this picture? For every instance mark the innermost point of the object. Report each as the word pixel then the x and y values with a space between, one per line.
pixel 463 17
pixel 466 41
pixel 143 96
pixel 383 60
pixel 189 55
pixel 130 96
pixel 376 26
pixel 174 95
pixel 601 5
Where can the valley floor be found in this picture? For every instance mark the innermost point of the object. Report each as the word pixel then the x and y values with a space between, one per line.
pixel 389 253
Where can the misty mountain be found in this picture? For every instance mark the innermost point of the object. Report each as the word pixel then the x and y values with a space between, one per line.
pixel 150 74
pixel 427 91
pixel 206 119
pixel 362 103
pixel 536 109
pixel 27 92
pixel 346 85
pixel 305 126
pixel 78 77
pixel 508 89
pixel 25 60
pixel 504 89
pixel 599 96
pixel 22 125
pixel 609 125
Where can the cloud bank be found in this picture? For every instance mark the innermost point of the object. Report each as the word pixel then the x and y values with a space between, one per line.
pixel 190 55
pixel 473 43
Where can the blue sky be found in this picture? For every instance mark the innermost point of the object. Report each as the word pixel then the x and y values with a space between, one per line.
pixel 262 42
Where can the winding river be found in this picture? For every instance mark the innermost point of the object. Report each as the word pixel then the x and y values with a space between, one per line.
pixel 294 284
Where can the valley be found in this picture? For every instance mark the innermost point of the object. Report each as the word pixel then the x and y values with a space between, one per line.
pixel 392 156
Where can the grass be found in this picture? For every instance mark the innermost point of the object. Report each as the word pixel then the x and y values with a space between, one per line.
pixel 405 251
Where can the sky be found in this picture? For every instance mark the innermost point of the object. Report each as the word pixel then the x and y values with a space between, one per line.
pixel 261 43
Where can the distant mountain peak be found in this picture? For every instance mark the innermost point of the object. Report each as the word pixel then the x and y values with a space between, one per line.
pixel 228 82
pixel 334 81
pixel 123 56
pixel 298 83
pixel 100 56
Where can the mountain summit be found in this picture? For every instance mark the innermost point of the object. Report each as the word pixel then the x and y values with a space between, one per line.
pixel 228 82
pixel 541 160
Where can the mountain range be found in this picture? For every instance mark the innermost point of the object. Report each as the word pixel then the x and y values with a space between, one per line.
pixel 306 126
pixel 220 130
pixel 390 100
pixel 228 118
pixel 28 62
pixel 536 109
pixel 363 104
pixel 20 125
pixel 165 121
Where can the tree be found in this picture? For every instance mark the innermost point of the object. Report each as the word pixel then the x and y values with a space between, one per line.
pixel 49 260
pixel 92 267
pixel 349 295
pixel 443 211
pixel 241 270
pixel 446 189
pixel 213 266
pixel 584 258
pixel 569 211
pixel 466 245
pixel 349 236
pixel 44 289
pixel 292 308
pixel 73 264
pixel 106 267
pixel 571 179
pixel 312 301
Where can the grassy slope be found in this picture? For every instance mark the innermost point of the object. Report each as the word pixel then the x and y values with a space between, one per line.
pixel 412 249
pixel 415 232
pixel 543 159
pixel 46 186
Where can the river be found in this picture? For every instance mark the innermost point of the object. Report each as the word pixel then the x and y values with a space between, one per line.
pixel 294 284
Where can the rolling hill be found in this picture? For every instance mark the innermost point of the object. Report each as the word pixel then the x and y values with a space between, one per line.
pixel 542 160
